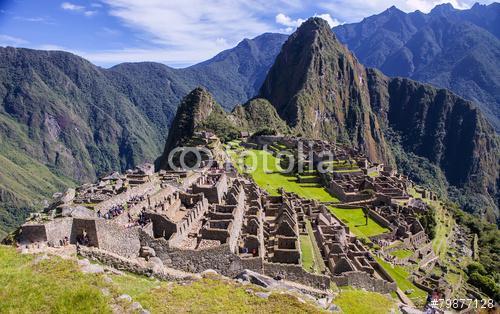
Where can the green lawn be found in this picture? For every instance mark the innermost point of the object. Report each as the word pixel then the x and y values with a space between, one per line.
pixel 47 286
pixel 318 258
pixel 206 296
pixel 356 301
pixel 256 163
pixel 401 276
pixel 29 284
pixel 444 229
pixel 355 219
pixel 307 256
pixel 402 253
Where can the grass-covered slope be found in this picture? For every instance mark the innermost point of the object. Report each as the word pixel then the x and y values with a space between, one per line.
pixel 356 221
pixel 47 284
pixel 258 114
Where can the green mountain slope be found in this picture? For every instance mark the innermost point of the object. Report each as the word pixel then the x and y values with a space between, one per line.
pixel 449 48
pixel 320 89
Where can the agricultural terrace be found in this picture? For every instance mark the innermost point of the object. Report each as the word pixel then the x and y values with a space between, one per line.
pixel 266 171
pixel 401 276
pixel 356 221
pixel 358 301
pixel 311 258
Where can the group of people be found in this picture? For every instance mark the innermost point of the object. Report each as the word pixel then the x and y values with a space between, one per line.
pixel 115 211
pixel 64 242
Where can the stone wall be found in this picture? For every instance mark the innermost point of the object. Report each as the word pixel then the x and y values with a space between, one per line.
pixel 58 229
pixel 87 225
pixel 31 233
pixel 120 199
pixel 362 280
pixel 297 274
pixel 118 239
pixel 124 264
pixel 162 227
pixel 379 219
pixel 214 193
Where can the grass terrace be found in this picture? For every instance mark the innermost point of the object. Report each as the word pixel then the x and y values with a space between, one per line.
pixel 355 219
pixel 401 253
pixel 357 301
pixel 307 255
pixel 401 276
pixel 444 229
pixel 272 179
pixel 312 260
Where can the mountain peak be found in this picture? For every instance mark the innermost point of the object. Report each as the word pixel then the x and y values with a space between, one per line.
pixel 314 26
pixel 443 8
pixel 318 87
pixel 194 108
pixel 393 9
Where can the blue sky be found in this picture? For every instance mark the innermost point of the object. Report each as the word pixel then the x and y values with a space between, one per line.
pixel 175 32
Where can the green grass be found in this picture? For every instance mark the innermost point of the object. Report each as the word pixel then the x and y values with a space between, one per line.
pixel 401 276
pixel 355 219
pixel 307 256
pixel 206 296
pixel 272 180
pixel 444 229
pixel 29 284
pixel 318 258
pixel 356 301
pixel 47 286
pixel 401 253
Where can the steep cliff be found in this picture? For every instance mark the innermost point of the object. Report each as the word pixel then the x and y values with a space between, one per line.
pixel 447 47
pixel 320 89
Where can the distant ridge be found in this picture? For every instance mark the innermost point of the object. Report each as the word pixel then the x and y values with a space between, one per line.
pixel 454 49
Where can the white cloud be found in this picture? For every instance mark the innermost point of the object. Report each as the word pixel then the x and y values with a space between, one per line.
pixel 72 7
pixel 51 47
pixel 6 40
pixel 195 26
pixel 284 20
pixel 80 8
pixel 292 24
pixel 175 58
pixel 331 21
pixel 355 10
pixel 89 13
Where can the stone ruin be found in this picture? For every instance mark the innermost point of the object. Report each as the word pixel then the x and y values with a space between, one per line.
pixel 218 219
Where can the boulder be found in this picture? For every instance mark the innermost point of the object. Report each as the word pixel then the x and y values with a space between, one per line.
pixel 77 211
pixel 68 196
pixel 136 306
pixel 147 252
pixel 208 273
pixel 125 297
pixel 263 295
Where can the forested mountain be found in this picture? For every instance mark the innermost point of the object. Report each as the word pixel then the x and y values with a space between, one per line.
pixel 320 89
pixel 64 120
pixel 454 49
